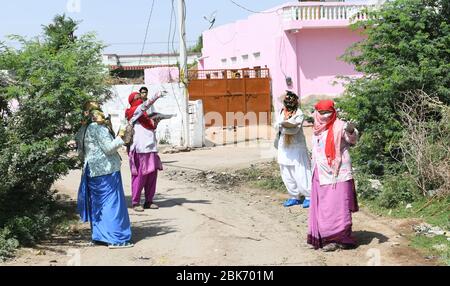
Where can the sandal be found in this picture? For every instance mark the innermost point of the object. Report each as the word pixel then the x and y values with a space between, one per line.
pixel 96 243
pixel 151 206
pixel 291 202
pixel 120 245
pixel 330 247
pixel 138 208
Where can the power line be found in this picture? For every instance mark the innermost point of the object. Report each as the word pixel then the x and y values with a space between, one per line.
pixel 140 43
pixel 250 10
pixel 145 37
pixel 174 29
pixel 146 31
pixel 171 37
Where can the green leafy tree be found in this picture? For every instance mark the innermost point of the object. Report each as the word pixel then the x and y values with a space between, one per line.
pixel 197 48
pixel 50 78
pixel 406 48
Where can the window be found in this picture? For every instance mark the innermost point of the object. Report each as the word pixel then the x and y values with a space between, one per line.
pixel 245 58
pixel 224 62
pixel 257 55
pixel 233 60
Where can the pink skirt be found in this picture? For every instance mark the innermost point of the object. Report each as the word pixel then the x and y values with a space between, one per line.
pixel 330 213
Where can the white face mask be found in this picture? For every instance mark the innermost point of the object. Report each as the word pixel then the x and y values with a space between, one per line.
pixel 327 115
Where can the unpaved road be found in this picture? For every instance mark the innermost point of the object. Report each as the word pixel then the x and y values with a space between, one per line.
pixel 207 224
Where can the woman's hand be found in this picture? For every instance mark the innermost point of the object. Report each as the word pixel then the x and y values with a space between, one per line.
pixel 350 127
pixel 121 133
pixel 160 94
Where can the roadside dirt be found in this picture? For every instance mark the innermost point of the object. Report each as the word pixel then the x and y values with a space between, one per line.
pixel 209 218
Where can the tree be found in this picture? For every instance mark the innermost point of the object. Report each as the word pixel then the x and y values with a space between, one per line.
pixel 52 79
pixel 61 32
pixel 197 48
pixel 406 48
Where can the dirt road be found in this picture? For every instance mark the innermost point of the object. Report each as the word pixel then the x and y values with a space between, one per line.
pixel 199 223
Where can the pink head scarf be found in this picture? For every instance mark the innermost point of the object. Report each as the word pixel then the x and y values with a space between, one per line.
pixel 335 129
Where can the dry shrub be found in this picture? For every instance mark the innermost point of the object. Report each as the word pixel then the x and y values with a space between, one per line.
pixel 425 142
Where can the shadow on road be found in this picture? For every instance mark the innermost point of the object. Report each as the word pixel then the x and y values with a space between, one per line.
pixel 146 229
pixel 169 162
pixel 164 202
pixel 364 237
pixel 168 203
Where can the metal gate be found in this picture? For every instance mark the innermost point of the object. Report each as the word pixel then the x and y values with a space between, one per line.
pixel 229 92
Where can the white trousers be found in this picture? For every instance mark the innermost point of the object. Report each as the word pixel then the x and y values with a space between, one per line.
pixel 297 179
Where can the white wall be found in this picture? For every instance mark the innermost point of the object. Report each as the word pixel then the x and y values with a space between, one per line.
pixel 150 59
pixel 170 130
pixel 197 124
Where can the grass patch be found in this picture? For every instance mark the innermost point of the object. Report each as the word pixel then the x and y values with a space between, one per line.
pixel 437 246
pixel 435 213
pixel 264 176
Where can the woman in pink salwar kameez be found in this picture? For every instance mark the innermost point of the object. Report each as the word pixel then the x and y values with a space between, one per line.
pixel 333 196
pixel 143 154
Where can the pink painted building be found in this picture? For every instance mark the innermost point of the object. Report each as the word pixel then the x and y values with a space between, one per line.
pixel 299 42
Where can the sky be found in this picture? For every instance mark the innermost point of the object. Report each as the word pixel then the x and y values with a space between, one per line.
pixel 121 24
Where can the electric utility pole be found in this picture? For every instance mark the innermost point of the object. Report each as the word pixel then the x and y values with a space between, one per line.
pixel 184 71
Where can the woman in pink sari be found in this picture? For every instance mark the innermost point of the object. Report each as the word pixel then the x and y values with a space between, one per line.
pixel 333 196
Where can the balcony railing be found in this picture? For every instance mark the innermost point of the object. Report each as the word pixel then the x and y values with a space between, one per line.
pixel 228 74
pixel 314 13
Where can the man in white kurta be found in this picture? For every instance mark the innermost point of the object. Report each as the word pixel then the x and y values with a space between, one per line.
pixel 293 158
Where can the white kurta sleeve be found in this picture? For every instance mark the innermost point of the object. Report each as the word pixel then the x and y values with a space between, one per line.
pixel 144 107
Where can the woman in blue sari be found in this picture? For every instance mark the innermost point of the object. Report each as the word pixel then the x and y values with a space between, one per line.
pixel 101 199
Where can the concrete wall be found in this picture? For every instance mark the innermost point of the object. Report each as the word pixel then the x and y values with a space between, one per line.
pixel 161 75
pixel 318 52
pixel 197 124
pixel 308 56
pixel 170 130
pixel 147 59
pixel 256 38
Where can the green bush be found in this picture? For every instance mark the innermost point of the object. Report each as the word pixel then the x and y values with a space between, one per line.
pixel 364 188
pixel 397 191
pixel 29 230
pixel 8 244
pixel 405 49
pixel 50 78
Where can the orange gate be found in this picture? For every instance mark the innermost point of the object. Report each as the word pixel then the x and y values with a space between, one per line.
pixel 245 92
